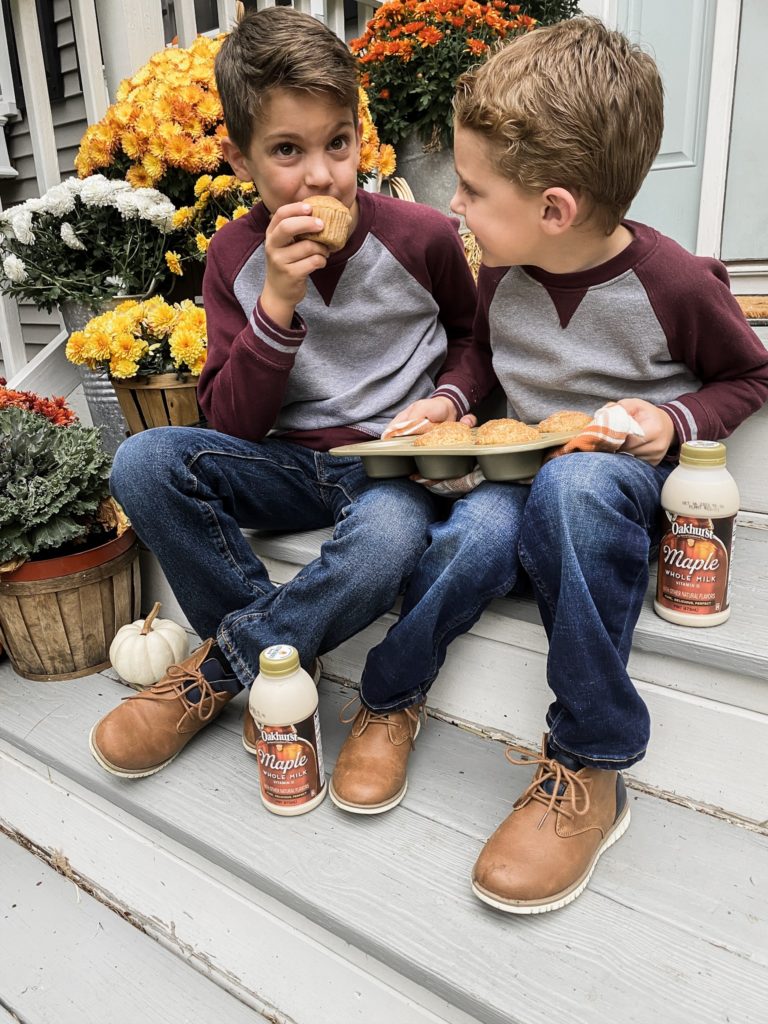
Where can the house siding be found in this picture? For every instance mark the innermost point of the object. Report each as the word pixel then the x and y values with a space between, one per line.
pixel 69 121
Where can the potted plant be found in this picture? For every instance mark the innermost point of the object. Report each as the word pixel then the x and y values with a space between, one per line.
pixel 153 352
pixel 79 246
pixel 411 54
pixel 165 127
pixel 68 558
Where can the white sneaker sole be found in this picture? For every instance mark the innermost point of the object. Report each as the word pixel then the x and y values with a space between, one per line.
pixel 123 773
pixel 561 899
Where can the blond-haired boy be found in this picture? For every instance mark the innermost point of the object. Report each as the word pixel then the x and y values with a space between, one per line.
pixel 577 306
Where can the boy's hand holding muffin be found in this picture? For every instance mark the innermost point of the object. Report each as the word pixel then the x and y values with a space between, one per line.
pixel 298 241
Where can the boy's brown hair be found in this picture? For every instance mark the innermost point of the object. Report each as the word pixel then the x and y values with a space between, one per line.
pixel 574 105
pixel 280 47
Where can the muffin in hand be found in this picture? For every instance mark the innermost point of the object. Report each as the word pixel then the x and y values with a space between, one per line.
pixel 336 218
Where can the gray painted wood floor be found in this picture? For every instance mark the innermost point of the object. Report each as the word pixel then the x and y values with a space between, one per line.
pixel 673 926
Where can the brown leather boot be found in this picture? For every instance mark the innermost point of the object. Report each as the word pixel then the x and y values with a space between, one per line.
pixel 251 733
pixel 542 856
pixel 370 773
pixel 146 731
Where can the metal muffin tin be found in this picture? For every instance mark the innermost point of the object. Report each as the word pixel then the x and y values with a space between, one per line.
pixel 501 462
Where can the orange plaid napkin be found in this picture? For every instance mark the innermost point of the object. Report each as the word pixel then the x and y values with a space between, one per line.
pixel 610 427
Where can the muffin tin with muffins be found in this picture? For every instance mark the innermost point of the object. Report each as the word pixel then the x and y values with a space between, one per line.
pixel 404 456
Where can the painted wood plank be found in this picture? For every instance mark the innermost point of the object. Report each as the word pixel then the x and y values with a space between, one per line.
pixel 38 106
pixel 89 60
pixel 687 957
pixel 253 946
pixel 54 937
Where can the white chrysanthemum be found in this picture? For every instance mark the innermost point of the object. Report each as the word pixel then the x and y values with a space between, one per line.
pixel 69 237
pixel 22 227
pixel 14 269
pixel 127 203
pixel 36 205
pixel 74 185
pixel 118 282
pixel 97 190
pixel 58 201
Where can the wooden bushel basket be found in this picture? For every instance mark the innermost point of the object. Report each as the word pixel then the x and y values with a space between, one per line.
pixel 163 400
pixel 58 616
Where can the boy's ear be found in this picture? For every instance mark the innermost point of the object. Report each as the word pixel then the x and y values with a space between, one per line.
pixel 234 157
pixel 560 210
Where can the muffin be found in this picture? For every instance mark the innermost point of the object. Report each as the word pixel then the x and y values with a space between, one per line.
pixel 505 432
pixel 561 422
pixel 445 435
pixel 337 222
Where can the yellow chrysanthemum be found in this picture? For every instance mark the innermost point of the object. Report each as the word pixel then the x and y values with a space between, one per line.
pixel 128 305
pixel 173 262
pixel 123 369
pixel 246 187
pixel 221 220
pixel 202 242
pixel 222 183
pixel 160 318
pixel 138 176
pixel 238 212
pixel 203 184
pixel 154 167
pixel 96 345
pixel 75 350
pixel 387 160
pixel 183 216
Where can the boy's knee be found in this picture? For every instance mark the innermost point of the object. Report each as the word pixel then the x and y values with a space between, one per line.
pixel 142 461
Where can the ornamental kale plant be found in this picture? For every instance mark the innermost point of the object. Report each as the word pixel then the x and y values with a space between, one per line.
pixel 84 241
pixel 52 481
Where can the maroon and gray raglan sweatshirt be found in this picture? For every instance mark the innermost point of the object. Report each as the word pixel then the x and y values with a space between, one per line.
pixel 654 323
pixel 387 321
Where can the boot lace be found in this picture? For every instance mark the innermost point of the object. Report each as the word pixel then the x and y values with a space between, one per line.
pixel 368 717
pixel 176 684
pixel 558 788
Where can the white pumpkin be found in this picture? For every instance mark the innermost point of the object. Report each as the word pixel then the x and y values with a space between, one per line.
pixel 143 650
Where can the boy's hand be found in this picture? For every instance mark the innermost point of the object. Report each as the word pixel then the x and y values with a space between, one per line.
pixel 290 261
pixel 425 414
pixel 659 431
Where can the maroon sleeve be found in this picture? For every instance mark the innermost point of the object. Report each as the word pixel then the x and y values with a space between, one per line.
pixel 243 382
pixel 705 329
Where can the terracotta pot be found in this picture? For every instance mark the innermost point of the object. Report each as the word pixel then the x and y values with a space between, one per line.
pixel 59 615
pixel 163 400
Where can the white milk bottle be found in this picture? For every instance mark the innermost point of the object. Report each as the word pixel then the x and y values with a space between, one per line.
pixel 283 703
pixel 700 501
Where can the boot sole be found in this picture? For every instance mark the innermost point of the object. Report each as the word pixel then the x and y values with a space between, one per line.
pixel 124 773
pixel 367 808
pixel 563 898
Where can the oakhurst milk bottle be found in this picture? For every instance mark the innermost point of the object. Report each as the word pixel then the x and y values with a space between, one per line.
pixel 283 703
pixel 700 501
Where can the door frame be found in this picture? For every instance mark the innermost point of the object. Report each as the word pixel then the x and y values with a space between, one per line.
pixel 718 128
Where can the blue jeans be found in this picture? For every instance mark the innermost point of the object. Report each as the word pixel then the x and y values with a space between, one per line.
pixel 188 492
pixel 581 534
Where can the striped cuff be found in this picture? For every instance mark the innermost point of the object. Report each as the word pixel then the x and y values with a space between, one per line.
pixel 455 395
pixel 283 339
pixel 685 425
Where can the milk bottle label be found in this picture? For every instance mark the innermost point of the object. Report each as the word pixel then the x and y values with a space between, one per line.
pixel 695 564
pixel 290 761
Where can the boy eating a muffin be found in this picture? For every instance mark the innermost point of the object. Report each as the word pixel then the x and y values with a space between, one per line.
pixel 329 309
pixel 577 307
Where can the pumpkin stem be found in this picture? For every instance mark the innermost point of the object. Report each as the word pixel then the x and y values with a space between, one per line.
pixel 150 619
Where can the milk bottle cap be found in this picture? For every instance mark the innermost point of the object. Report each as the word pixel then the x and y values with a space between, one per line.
pixel 702 453
pixel 278 660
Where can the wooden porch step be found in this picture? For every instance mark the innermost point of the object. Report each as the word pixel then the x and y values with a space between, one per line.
pixel 705 687
pixel 67 958
pixel 329 917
